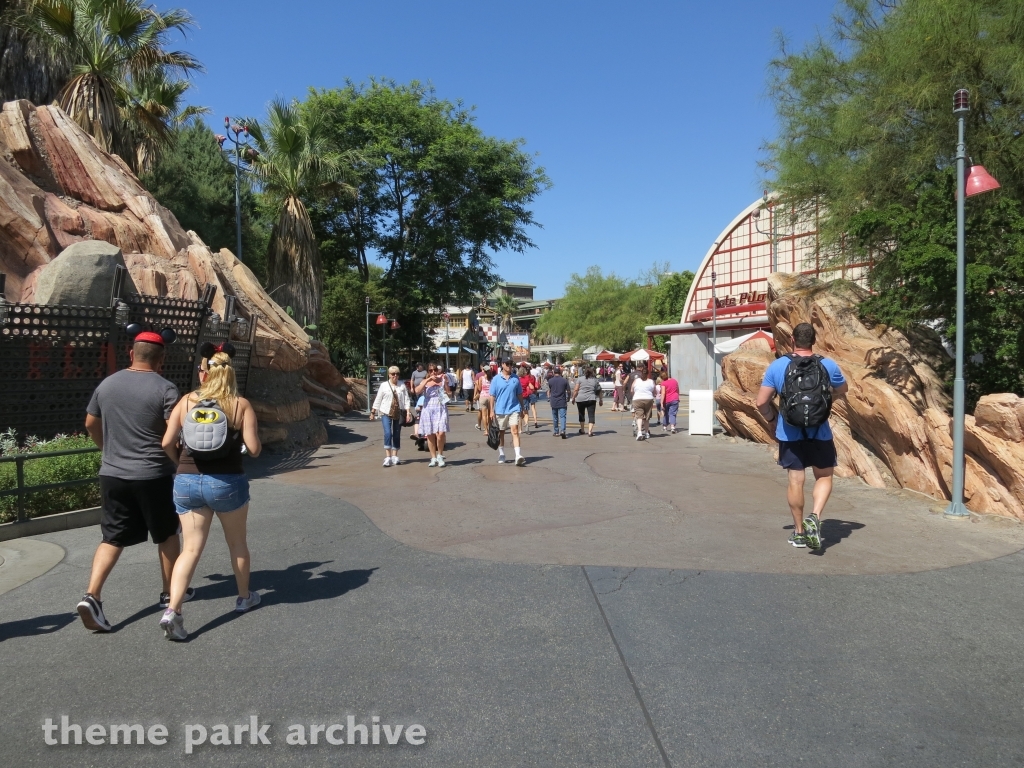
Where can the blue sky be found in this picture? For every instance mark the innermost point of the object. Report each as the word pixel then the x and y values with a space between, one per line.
pixel 648 116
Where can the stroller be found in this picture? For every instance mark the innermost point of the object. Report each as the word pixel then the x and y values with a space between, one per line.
pixel 421 442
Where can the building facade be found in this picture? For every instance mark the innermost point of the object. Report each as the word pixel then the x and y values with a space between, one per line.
pixel 729 295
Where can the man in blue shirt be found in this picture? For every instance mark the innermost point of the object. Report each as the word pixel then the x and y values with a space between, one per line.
pixel 507 393
pixel 800 448
pixel 558 389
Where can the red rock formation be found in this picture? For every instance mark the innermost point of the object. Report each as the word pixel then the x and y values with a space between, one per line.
pixel 893 427
pixel 57 187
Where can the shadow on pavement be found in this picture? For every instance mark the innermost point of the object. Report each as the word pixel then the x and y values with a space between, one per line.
pixel 833 532
pixel 38 625
pixel 294 584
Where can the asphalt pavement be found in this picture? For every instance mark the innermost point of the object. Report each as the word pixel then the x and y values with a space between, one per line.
pixel 539 616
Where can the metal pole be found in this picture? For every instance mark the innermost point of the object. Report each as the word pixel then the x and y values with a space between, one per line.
pixel 714 336
pixel 447 341
pixel 775 241
pixel 367 354
pixel 384 344
pixel 956 506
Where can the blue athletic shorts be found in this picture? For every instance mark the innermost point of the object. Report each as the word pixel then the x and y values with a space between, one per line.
pixel 801 454
pixel 221 493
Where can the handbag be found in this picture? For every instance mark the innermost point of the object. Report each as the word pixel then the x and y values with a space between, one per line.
pixel 492 436
pixel 394 410
pixel 444 398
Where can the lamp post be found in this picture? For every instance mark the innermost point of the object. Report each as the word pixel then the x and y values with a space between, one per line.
pixel 772 236
pixel 240 146
pixel 714 348
pixel 978 182
pixel 447 340
pixel 381 320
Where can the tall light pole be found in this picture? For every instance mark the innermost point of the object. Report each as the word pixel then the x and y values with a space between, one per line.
pixel 240 147
pixel 773 234
pixel 381 320
pixel 979 181
pixel 714 335
pixel 447 340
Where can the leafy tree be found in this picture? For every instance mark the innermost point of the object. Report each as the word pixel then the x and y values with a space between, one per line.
pixel 111 46
pixel 866 125
pixel 194 179
pixel 505 308
pixel 435 195
pixel 600 309
pixel 669 301
pixel 294 161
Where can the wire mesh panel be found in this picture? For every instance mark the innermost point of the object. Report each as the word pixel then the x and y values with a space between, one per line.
pixel 158 313
pixel 51 358
pixel 216 331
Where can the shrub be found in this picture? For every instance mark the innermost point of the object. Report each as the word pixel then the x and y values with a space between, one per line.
pixel 55 469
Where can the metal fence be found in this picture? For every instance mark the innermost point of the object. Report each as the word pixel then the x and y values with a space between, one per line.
pixel 21 491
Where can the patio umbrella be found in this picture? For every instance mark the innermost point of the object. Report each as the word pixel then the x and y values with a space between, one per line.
pixel 639 356
pixel 607 356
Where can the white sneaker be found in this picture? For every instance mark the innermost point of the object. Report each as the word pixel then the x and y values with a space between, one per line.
pixel 521 461
pixel 440 461
pixel 395 461
pixel 173 625
pixel 243 604
pixel 433 463
pixel 387 461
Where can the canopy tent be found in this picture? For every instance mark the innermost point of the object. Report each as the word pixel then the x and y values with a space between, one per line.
pixel 455 350
pixel 606 356
pixel 731 345
pixel 640 355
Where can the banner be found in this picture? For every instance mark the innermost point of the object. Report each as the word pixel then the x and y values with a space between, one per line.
pixel 520 343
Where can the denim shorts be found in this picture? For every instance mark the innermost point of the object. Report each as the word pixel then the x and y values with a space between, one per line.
pixel 221 493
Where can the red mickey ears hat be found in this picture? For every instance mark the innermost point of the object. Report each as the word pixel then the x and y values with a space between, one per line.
pixel 150 337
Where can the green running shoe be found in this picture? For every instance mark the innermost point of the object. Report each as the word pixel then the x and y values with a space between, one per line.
pixel 812 531
pixel 798 540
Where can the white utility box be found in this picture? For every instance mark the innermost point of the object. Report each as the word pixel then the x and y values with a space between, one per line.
pixel 702 412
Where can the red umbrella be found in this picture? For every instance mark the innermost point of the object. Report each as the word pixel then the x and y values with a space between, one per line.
pixel 606 355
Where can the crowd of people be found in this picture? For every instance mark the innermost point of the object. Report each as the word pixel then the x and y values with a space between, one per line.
pixel 506 394
pixel 506 400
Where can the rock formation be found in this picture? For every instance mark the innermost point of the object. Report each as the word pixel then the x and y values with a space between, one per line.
pixel 58 188
pixel 893 428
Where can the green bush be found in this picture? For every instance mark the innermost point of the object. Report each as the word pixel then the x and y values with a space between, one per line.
pixel 56 469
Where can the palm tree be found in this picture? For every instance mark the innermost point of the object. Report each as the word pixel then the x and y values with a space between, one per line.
pixel 505 307
pixel 293 160
pixel 152 113
pixel 108 45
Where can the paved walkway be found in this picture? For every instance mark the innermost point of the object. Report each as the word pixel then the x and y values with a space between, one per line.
pixel 610 604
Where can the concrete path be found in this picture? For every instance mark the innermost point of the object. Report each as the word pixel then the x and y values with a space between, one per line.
pixel 610 604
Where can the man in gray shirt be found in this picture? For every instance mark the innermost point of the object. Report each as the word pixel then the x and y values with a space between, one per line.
pixel 126 418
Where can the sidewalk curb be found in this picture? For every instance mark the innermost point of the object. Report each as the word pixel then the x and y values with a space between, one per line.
pixel 62 521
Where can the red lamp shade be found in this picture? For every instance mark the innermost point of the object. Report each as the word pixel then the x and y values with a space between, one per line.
pixel 381 319
pixel 394 325
pixel 979 180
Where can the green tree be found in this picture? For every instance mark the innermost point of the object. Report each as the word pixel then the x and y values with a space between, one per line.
pixel 505 308
pixel 668 302
pixel 294 161
pixel 866 126
pixel 435 195
pixel 600 309
pixel 111 46
pixel 193 178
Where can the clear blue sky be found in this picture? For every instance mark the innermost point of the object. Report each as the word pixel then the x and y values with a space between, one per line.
pixel 648 116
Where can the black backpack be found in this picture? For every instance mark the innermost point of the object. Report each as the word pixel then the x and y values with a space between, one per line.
pixel 806 397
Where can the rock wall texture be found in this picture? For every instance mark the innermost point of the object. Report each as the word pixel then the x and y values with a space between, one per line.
pixel 58 187
pixel 893 427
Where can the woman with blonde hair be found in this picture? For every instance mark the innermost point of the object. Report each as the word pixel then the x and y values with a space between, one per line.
pixel 392 405
pixel 204 486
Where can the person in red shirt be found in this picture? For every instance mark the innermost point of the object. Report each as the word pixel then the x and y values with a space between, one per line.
pixel 669 401
pixel 529 385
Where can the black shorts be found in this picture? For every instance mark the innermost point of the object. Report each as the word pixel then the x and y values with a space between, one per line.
pixel 135 509
pixel 800 454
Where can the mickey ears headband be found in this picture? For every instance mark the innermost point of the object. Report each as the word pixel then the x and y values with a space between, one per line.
pixel 208 349
pixel 138 332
